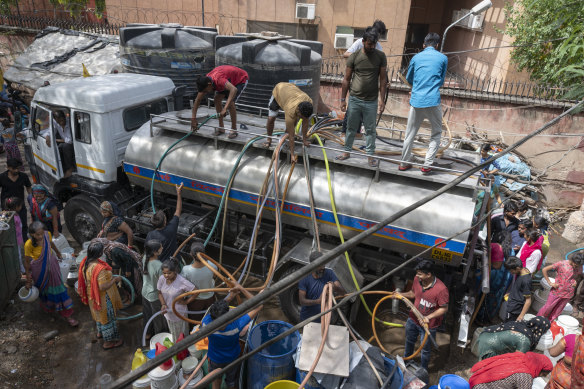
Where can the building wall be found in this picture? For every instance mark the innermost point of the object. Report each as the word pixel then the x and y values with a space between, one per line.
pixel 493 63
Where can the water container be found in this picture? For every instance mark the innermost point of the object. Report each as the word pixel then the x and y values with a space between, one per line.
pixel 453 382
pixel 545 341
pixel 397 381
pixel 163 379
pixel 269 61
pixel 82 254
pixel 569 324
pixel 28 295
pixel 182 378
pixel 169 50
pixel 538 301
pixel 283 384
pixel 159 338
pixel 64 266
pixel 274 362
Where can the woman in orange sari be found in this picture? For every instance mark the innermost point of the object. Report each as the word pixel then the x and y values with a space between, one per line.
pixel 97 288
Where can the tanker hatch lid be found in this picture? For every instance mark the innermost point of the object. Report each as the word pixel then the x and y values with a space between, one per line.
pixel 266 35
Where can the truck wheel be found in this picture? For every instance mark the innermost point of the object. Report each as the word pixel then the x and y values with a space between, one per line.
pixel 289 299
pixel 83 218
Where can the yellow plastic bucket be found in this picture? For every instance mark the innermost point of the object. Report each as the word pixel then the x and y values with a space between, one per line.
pixel 284 384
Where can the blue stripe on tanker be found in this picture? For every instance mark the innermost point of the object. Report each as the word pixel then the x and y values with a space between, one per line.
pixel 388 231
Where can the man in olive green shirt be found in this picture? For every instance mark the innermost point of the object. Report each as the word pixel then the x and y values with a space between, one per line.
pixel 365 77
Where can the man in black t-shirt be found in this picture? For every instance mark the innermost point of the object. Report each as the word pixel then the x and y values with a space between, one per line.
pixel 519 299
pixel 13 182
pixel 166 232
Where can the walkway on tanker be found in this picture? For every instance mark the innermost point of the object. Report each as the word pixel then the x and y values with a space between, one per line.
pixel 452 162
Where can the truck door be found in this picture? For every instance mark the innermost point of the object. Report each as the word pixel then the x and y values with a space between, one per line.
pixel 44 147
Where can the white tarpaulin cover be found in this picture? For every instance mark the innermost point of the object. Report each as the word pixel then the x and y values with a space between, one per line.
pixel 57 55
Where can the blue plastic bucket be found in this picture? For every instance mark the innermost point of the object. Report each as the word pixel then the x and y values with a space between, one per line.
pixel 397 381
pixel 453 381
pixel 275 362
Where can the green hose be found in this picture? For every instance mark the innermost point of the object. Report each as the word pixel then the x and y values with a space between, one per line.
pixel 334 208
pixel 166 153
pixel 136 316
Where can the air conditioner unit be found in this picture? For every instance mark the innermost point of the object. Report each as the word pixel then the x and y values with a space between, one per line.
pixel 343 41
pixel 476 22
pixel 456 14
pixel 464 22
pixel 305 11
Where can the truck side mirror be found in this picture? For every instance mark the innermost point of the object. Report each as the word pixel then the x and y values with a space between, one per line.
pixel 178 95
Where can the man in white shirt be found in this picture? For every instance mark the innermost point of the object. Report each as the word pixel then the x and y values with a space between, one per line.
pixel 62 128
pixel 379 26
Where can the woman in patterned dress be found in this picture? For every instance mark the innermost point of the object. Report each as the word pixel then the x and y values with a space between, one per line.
pixel 512 336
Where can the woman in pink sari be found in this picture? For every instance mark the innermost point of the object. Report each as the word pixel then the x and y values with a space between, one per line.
pixel 42 269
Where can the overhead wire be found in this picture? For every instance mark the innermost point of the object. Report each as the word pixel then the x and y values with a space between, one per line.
pixel 290 280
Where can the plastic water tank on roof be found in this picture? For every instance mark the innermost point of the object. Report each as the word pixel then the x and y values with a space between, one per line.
pixel 168 50
pixel 268 61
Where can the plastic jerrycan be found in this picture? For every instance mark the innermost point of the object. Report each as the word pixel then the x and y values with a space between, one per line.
pixel 139 359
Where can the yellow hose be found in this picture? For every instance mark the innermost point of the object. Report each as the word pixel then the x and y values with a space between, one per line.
pixel 334 208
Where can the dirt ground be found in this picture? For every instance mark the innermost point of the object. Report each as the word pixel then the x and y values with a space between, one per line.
pixel 75 359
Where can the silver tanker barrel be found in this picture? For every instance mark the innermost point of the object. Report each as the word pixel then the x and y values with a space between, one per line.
pixel 203 163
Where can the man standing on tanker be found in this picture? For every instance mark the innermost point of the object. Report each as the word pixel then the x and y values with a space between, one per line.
pixel 426 73
pixel 366 77
pixel 227 81
pixel 297 105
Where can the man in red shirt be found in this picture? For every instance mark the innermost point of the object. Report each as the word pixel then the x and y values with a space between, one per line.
pixel 431 299
pixel 227 81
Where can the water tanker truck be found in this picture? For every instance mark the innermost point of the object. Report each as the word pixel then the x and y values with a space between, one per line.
pixel 123 125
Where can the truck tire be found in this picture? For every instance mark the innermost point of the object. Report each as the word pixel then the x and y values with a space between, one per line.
pixel 83 218
pixel 289 299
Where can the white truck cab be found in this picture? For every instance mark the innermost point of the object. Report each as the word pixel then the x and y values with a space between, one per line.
pixel 102 113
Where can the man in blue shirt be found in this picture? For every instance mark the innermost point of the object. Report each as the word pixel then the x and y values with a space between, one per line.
pixel 426 74
pixel 310 289
pixel 224 343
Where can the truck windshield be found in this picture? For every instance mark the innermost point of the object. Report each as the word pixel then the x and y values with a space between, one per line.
pixel 136 116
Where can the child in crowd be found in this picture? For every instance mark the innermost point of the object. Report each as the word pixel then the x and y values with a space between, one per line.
pixel 152 273
pixel 563 286
pixel 519 299
pixel 15 204
pixel 170 286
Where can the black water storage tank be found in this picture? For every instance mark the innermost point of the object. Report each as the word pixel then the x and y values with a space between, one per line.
pixel 169 50
pixel 270 61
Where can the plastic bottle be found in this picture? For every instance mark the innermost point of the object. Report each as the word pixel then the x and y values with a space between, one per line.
pixel 139 359
pixel 183 354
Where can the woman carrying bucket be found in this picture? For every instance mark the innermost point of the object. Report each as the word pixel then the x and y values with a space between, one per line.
pixel 97 288
pixel 42 269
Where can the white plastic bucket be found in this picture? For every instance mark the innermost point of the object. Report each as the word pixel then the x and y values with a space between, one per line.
pixel 545 341
pixel 163 379
pixel 159 338
pixel 82 254
pixel 538 301
pixel 569 324
pixel 143 382
pixel 28 295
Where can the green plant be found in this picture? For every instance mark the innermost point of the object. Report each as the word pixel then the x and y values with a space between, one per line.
pixel 550 39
